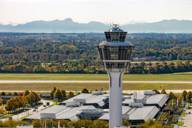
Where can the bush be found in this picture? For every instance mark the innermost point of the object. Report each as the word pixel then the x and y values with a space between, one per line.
pixel 11 124
pixel 71 94
pixel 85 90
pixel 73 124
pixel 99 124
pixel 36 124
pixel 180 123
pixel 153 124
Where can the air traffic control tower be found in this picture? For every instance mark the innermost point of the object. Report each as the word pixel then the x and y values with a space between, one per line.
pixel 115 54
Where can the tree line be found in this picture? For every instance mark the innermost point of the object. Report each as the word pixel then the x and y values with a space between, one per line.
pixel 77 53
pixel 60 95
pixel 157 67
pixel 161 67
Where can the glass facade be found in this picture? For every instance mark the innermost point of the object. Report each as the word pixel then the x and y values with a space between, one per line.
pixel 115 36
pixel 116 56
pixel 115 53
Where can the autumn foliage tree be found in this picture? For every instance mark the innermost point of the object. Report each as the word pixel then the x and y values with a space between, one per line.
pixel 33 98
pixel 20 102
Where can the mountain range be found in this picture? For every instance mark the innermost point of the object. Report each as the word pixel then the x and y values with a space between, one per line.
pixel 69 26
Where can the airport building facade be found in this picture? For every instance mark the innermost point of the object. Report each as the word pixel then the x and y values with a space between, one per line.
pixel 137 108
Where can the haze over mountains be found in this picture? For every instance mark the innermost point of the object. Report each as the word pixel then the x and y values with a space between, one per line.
pixel 69 26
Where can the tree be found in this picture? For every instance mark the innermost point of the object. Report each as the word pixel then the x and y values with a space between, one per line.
pixel 53 92
pixel 156 91
pixel 63 94
pixel 163 91
pixel 180 101
pixel 16 103
pixel 26 92
pixel 15 94
pixel 71 94
pixel 11 106
pixel 21 102
pixel 21 94
pixel 1 101
pixel 58 95
pixel 184 95
pixel 85 91
pixel 189 96
pixel 172 95
pixel 2 111
pixel 36 97
pixel 125 123
pixel 33 98
pixel 3 93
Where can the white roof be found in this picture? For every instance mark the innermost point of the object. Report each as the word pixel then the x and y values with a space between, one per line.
pixel 89 98
pixel 72 113
pixel 144 113
pixel 159 99
pixel 25 126
pixel 54 109
pixel 128 101
pixel 105 116
pixel 133 113
pixel 34 116
pixel 149 92
pixel 50 112
pixel 139 95
pixel 80 96
pixel 125 109
pixel 63 112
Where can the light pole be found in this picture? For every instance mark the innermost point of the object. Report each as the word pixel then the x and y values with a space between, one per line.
pixel 115 54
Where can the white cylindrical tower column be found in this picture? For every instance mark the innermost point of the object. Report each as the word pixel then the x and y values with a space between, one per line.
pixel 115 99
pixel 116 55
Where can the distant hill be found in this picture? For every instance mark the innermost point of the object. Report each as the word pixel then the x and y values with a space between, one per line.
pixel 165 26
pixel 69 26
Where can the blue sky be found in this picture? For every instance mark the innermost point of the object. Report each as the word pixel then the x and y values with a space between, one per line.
pixel 107 11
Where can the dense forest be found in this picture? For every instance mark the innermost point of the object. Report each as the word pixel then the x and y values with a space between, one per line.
pixel 77 53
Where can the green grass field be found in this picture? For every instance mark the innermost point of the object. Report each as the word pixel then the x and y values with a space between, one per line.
pixel 174 77
pixel 80 86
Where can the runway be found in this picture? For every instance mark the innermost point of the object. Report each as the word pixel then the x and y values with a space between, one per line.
pixel 88 82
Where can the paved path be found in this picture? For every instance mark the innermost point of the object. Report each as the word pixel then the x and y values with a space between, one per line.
pixel 187 120
pixel 89 81
pixel 20 116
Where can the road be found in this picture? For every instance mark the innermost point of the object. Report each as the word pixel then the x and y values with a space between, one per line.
pixel 88 81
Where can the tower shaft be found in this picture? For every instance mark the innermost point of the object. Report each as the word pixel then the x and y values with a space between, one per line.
pixel 115 99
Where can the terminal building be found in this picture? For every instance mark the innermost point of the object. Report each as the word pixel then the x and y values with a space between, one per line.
pixel 137 108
